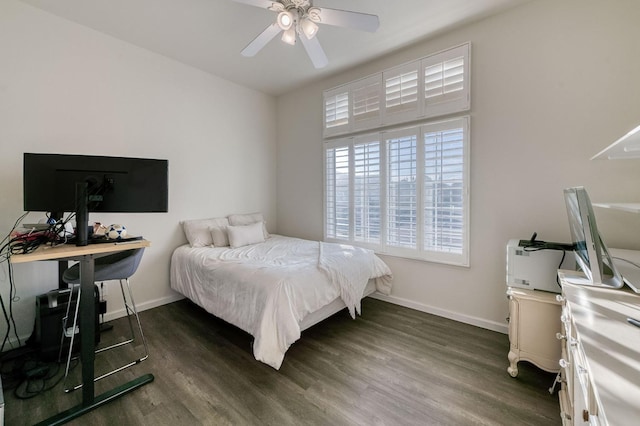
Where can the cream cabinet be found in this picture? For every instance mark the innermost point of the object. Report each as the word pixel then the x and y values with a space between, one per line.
pixel 600 374
pixel 534 321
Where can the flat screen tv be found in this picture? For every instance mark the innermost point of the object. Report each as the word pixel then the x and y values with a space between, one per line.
pixel 59 183
pixel 592 255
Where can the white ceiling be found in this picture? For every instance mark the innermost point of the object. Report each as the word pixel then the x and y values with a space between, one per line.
pixel 209 34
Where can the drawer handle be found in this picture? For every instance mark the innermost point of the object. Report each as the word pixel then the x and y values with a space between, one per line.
pixel 561 336
pixel 559 298
pixel 564 363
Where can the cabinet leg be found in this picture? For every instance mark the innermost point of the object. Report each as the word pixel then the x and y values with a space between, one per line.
pixel 513 364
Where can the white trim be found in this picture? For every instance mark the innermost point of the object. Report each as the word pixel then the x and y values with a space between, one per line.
pixel 12 343
pixel 149 304
pixel 456 316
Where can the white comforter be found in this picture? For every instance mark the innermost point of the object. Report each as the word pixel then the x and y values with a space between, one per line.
pixel 266 289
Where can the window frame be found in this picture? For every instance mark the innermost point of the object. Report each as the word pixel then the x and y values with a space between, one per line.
pixel 384 247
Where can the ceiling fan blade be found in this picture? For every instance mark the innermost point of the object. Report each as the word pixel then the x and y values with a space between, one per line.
pixel 265 4
pixel 315 51
pixel 345 18
pixel 261 41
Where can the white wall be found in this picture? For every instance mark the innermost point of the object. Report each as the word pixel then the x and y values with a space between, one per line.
pixel 553 82
pixel 67 89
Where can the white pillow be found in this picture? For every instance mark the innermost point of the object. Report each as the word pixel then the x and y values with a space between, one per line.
pixel 219 236
pixel 244 235
pixel 248 219
pixel 197 230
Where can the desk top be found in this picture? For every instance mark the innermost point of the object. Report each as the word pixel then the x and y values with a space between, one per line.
pixel 69 251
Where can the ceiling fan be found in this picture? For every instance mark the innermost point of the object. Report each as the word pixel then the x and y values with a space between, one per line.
pixel 299 19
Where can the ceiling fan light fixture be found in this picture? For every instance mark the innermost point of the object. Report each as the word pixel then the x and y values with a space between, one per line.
pixel 309 28
pixel 285 20
pixel 289 36
pixel 300 17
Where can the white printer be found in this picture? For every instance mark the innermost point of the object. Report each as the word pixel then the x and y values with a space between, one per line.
pixel 535 267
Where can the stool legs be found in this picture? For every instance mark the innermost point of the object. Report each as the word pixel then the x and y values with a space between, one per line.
pixel 130 309
pixel 67 332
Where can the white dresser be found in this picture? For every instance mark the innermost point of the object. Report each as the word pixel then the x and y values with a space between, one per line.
pixel 600 356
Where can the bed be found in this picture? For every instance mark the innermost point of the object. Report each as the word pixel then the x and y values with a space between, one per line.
pixel 276 287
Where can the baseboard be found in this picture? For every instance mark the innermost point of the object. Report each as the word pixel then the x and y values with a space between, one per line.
pixel 478 322
pixel 456 316
pixel 150 304
pixel 12 342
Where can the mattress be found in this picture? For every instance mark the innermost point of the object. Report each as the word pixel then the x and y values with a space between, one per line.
pixel 269 289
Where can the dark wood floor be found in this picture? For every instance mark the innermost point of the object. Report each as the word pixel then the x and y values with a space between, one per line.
pixel 391 366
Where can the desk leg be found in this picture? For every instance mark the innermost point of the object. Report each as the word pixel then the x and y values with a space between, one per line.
pixel 87 327
pixel 87 354
pixel 79 410
pixel 62 266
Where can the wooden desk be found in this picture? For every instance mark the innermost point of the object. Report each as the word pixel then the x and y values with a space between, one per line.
pixel 86 255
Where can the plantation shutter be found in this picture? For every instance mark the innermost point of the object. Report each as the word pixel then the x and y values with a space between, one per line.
pixel 446 82
pixel 403 190
pixel 337 195
pixel 366 98
pixel 401 93
pixel 367 189
pixel 402 203
pixel 445 187
pixel 336 111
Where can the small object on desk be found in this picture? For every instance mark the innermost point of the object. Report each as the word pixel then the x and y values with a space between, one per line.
pixel 116 231
pixel 633 321
pixel 105 240
pixel 128 241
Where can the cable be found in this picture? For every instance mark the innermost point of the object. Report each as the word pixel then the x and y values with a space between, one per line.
pixel 541 245
pixel 30 377
pixel 5 254
pixel 20 243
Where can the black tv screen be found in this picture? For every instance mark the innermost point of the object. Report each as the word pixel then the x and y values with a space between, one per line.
pixel 114 184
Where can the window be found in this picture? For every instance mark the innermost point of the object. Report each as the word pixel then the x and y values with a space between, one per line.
pixel 432 86
pixel 402 192
pixel 395 182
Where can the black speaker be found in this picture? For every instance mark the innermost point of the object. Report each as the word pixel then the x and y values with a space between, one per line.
pixel 51 309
